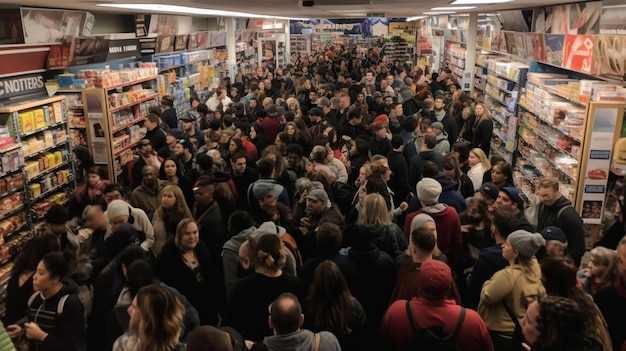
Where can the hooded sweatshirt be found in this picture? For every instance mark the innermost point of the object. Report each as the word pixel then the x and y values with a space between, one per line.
pixel 449 237
pixel 443 145
pixel 230 258
pixel 301 340
pixel 569 221
pixel 449 195
pixel 66 331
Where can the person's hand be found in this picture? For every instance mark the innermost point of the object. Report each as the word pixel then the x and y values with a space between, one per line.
pixel 305 222
pixel 404 206
pixel 14 331
pixel 467 228
pixel 34 332
pixel 526 346
pixel 305 192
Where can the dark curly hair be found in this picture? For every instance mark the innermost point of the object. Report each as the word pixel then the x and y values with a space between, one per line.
pixel 563 326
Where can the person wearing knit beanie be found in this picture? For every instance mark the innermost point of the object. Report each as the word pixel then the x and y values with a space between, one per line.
pixel 525 243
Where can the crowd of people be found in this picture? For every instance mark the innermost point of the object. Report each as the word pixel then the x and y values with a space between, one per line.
pixel 357 198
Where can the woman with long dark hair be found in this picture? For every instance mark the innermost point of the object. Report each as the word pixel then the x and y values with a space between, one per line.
pixel 172 171
pixel 330 305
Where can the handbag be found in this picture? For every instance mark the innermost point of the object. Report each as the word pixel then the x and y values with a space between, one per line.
pixel 518 336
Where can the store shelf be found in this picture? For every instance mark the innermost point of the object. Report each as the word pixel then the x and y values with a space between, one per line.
pixel 497 99
pixel 527 108
pixel 35 102
pixel 147 98
pixel 455 65
pixel 42 129
pixel 183 65
pixel 541 152
pixel 502 90
pixel 126 125
pixel 127 147
pixel 14 232
pixel 41 152
pixel 11 192
pixel 514 80
pixel 542 136
pixel 51 191
pixel 49 170
pixel 12 212
pixel 557 94
pixel 10 148
pixel 126 84
pixel 497 118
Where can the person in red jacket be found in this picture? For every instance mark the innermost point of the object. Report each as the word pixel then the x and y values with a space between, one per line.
pixel 271 123
pixel 432 309
pixel 449 237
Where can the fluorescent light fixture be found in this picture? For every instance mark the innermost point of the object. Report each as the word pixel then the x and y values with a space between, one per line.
pixel 437 12
pixel 145 8
pixel 453 8
pixel 478 2
pixel 415 18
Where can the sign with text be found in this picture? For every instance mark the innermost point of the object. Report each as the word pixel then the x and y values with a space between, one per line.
pixel 123 48
pixel 21 85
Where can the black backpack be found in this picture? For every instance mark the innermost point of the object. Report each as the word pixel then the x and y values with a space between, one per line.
pixel 434 338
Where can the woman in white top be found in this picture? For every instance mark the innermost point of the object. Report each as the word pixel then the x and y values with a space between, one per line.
pixel 479 164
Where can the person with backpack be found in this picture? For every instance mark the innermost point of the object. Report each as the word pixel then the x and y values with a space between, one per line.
pixel 434 322
pixel 55 318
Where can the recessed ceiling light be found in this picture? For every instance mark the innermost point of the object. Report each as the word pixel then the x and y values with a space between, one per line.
pixel 478 2
pixel 188 10
pixel 453 8
pixel 437 12
pixel 415 18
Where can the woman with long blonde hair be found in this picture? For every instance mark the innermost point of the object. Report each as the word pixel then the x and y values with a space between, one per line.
pixel 482 128
pixel 156 315
pixel 479 164
pixel 374 221
pixel 166 217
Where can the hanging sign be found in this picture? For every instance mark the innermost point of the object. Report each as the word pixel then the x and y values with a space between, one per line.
pixel 20 85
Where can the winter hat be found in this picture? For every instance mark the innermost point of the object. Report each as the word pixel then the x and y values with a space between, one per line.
pixel 118 208
pixel 381 118
pixel 513 194
pixel 438 125
pixel 428 191
pixel 435 280
pixel 527 244
pixel 419 220
pixel 263 189
pixel 378 94
pixel 323 101
pixel 408 81
pixel 554 233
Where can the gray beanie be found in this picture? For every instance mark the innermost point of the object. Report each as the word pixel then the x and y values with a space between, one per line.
pixel 527 244
pixel 428 191
pixel 118 208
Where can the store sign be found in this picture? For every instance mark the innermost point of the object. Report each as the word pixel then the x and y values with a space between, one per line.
pixel 603 132
pixel 21 85
pixel 122 49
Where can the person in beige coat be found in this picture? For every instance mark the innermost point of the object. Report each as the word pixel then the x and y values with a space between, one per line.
pixel 517 285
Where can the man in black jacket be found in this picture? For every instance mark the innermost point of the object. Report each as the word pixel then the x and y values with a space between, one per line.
pixel 209 217
pixel 441 115
pixel 399 180
pixel 556 210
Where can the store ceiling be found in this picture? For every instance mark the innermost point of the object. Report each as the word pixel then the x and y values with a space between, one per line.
pixel 294 9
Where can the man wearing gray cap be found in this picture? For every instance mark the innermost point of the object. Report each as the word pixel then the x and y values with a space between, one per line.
pixel 313 209
pixel 269 209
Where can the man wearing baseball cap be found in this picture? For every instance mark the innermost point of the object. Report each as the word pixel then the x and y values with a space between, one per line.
pixel 510 201
pixel 488 192
pixel 269 209
pixel 191 129
pixel 313 209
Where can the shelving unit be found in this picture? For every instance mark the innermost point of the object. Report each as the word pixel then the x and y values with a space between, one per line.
pixel 399 49
pixel 36 171
pixel 503 80
pixel 115 115
pixel 454 59
pixel 300 44
pixel 549 143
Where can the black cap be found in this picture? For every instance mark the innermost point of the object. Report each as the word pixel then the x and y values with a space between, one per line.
pixel 489 190
pixel 189 117
pixel 204 161
pixel 316 111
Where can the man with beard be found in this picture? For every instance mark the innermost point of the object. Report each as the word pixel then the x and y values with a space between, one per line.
pixel 147 196
pixel 242 177
pixel 184 151
pixel 441 115
pixel 146 157
pixel 190 128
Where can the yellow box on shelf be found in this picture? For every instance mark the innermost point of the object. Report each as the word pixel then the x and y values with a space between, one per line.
pixel 27 121
pixel 39 117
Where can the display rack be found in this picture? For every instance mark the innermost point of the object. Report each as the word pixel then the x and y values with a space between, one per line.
pixel 76 117
pixel 454 59
pixel 398 49
pixel 300 44
pixel 115 114
pixel 503 81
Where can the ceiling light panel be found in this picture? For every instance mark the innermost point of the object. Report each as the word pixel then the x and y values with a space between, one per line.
pixel 453 8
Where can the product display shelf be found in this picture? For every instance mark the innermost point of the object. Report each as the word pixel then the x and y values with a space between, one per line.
pixel 76 117
pixel 543 150
pixel 39 129
pixel 300 44
pixel 115 118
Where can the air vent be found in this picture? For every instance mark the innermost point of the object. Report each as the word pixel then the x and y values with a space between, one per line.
pixel 376 14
